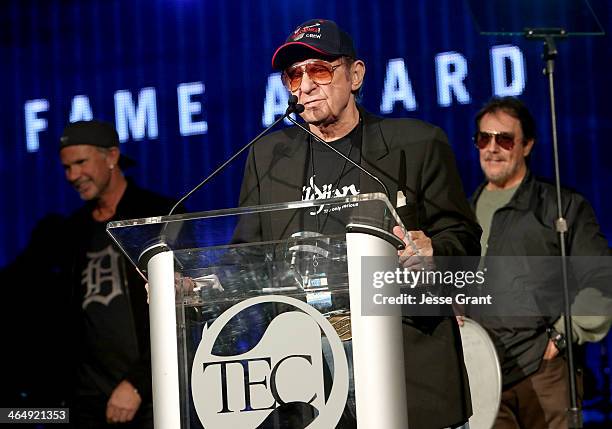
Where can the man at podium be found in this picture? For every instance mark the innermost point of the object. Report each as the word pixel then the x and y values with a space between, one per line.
pixel 320 66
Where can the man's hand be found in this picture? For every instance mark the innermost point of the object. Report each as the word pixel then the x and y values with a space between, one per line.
pixel 551 351
pixel 123 403
pixel 418 246
pixel 189 285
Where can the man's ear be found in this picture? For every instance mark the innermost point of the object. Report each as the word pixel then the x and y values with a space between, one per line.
pixel 357 74
pixel 113 156
pixel 527 147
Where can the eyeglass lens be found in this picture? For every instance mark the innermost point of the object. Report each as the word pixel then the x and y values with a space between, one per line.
pixel 504 140
pixel 320 73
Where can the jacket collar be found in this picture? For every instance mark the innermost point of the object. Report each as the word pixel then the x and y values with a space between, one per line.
pixel 374 146
pixel 295 139
pixel 90 205
pixel 374 149
pixel 126 203
pixel 520 199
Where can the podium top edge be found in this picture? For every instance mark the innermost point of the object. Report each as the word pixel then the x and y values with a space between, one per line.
pixel 236 211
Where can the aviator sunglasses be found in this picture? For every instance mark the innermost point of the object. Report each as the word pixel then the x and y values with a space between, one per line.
pixel 504 140
pixel 319 71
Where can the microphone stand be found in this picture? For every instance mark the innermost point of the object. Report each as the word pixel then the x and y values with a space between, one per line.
pixel 292 107
pixel 161 245
pixel 550 54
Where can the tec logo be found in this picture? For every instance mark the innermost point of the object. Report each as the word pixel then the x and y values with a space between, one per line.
pixel 284 370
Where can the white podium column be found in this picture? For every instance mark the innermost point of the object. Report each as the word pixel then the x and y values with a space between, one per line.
pixel 378 355
pixel 164 355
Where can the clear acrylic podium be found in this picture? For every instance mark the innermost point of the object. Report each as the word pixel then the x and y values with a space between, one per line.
pixel 247 333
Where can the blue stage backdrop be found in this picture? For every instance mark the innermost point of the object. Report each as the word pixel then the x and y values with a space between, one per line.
pixel 187 82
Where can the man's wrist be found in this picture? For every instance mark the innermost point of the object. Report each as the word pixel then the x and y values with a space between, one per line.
pixel 557 338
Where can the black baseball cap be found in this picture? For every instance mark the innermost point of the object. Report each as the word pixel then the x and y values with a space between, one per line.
pixel 93 133
pixel 320 37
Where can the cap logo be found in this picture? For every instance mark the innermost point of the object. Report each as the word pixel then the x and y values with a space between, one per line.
pixel 313 31
pixel 64 139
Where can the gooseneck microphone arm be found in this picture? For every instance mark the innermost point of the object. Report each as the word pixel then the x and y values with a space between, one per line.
pixel 300 108
pixel 292 107
pixel 161 244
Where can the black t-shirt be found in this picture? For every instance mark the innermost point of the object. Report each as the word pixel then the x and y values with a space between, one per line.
pixel 109 345
pixel 328 175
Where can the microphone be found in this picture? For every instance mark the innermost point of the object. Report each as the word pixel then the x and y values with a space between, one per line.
pixel 160 245
pixel 292 107
pixel 300 108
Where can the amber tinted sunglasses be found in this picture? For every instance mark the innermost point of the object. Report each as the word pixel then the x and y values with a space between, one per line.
pixel 319 71
pixel 504 140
